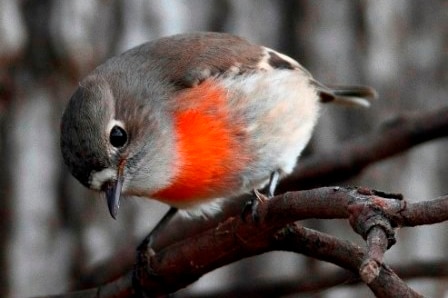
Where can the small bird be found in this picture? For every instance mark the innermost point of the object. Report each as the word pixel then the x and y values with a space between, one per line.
pixel 192 118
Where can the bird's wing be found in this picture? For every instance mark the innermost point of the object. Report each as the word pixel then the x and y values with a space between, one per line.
pixel 188 59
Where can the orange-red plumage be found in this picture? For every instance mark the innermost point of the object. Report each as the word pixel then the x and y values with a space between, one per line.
pixel 209 152
pixel 208 115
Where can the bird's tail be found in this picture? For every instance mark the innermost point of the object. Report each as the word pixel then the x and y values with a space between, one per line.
pixel 360 96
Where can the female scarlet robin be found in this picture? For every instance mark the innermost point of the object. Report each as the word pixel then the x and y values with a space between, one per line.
pixel 191 118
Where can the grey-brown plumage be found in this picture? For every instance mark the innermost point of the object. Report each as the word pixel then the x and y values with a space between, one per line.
pixel 259 100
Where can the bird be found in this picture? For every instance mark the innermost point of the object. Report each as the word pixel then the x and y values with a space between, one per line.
pixel 193 118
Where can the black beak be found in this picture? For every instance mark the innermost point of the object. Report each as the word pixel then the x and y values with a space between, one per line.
pixel 113 192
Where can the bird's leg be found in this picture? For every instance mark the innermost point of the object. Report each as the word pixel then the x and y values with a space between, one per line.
pixel 147 243
pixel 259 198
pixel 273 182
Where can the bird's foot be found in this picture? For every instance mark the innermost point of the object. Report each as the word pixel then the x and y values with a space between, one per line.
pixel 253 208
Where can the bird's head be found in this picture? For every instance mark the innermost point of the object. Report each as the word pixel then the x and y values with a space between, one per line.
pixel 115 141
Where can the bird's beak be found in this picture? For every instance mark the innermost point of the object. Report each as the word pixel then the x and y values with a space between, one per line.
pixel 113 193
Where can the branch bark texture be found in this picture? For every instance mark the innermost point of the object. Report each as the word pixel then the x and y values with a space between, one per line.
pixel 374 215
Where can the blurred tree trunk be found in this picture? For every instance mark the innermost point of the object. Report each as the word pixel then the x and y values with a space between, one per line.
pixel 5 188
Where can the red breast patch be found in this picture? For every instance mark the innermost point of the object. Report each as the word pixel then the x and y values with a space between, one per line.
pixel 209 147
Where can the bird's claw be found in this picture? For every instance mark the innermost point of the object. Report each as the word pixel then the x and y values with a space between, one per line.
pixel 252 206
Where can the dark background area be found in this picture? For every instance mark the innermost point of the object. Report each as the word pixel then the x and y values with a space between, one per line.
pixel 52 230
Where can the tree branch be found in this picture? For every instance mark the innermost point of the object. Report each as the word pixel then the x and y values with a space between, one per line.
pixel 181 263
pixel 185 259
pixel 184 262
pixel 350 158
pixel 320 281
pixel 345 161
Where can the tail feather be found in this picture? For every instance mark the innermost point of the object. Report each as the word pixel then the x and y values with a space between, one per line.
pixel 347 95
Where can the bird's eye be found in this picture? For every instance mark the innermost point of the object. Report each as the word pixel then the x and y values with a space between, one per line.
pixel 118 136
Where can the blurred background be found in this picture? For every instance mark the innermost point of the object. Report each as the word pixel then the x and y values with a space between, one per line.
pixel 52 230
